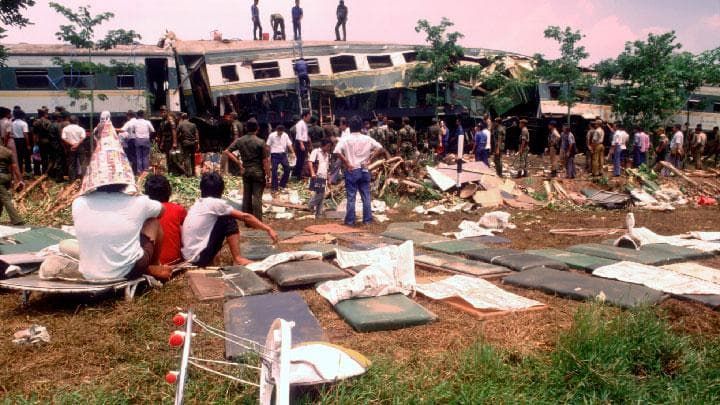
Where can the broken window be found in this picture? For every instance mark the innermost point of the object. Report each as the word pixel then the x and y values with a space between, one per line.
pixel 78 80
pixel 125 81
pixel 694 105
pixel 266 70
pixel 554 92
pixel 716 107
pixel 343 63
pixel 410 57
pixel 313 66
pixel 32 79
pixel 379 62
pixel 229 73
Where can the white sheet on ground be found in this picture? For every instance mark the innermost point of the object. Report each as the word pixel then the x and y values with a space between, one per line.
pixel 469 229
pixel 443 182
pixel 647 237
pixel 696 270
pixel 285 257
pixel 496 220
pixel 6 231
pixel 657 278
pixel 391 270
pixel 320 362
pixel 479 293
pixel 706 236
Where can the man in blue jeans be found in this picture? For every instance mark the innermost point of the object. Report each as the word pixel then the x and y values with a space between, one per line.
pixel 356 151
pixel 279 144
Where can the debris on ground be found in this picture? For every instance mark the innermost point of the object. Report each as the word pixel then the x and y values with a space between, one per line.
pixel 32 335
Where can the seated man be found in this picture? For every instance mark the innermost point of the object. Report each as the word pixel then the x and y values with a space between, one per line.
pixel 158 189
pixel 118 234
pixel 211 220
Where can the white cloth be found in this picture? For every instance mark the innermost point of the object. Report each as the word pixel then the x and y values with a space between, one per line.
pixel 706 236
pixel 677 140
pixel 284 257
pixel 323 162
pixel 657 278
pixel 199 223
pixel 345 133
pixel 129 129
pixel 357 149
pixel 620 138
pixel 278 143
pixel 19 129
pixel 488 136
pixel 696 270
pixel 73 134
pixel 301 131
pixel 479 293
pixel 142 128
pixel 108 229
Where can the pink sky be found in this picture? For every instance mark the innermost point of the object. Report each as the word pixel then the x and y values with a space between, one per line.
pixel 510 25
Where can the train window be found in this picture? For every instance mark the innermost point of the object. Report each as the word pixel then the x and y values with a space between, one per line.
pixel 78 80
pixel 125 81
pixel 229 73
pixel 379 62
pixel 32 79
pixel 716 107
pixel 410 57
pixel 343 63
pixel 313 66
pixel 554 90
pixel 266 70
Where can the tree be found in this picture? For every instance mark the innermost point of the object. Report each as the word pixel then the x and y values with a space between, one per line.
pixel 651 80
pixel 11 15
pixel 80 32
pixel 442 58
pixel 504 91
pixel 565 70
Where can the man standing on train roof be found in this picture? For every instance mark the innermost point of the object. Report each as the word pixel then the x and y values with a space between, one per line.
pixel 257 27
pixel 297 15
pixel 342 15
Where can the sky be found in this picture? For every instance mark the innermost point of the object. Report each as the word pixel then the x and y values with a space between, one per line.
pixel 508 25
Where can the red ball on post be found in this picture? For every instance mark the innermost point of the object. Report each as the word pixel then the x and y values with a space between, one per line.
pixel 171 377
pixel 177 339
pixel 179 319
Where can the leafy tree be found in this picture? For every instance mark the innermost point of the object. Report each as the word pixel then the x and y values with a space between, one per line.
pixel 80 32
pixel 11 15
pixel 442 57
pixel 651 80
pixel 565 70
pixel 503 91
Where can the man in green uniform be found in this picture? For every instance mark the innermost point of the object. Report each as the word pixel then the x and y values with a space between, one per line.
pixel 189 140
pixel 236 127
pixel 434 138
pixel 8 172
pixel 57 167
pixel 524 149
pixel 408 140
pixel 255 167
pixel 41 135
pixel 497 143
pixel 168 140
pixel 391 138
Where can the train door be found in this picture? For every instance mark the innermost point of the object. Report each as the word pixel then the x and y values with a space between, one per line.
pixel 157 82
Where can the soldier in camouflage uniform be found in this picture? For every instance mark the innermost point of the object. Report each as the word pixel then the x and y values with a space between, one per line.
pixel 189 140
pixel 168 140
pixel 524 149
pixel 236 127
pixel 497 145
pixel 408 140
pixel 391 138
pixel 41 135
pixel 376 133
pixel 434 138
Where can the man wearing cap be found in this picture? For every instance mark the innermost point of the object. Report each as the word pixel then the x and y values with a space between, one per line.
pixel 279 144
pixel 168 139
pixel 597 145
pixel 189 140
pixel 254 166
pixel 117 231
pixel 497 141
pixel 553 147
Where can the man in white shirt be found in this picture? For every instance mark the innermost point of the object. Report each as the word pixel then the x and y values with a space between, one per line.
pixel 318 166
pixel 618 147
pixel 73 136
pixel 279 144
pixel 142 129
pixel 302 144
pixel 21 137
pixel 127 134
pixel 676 147
pixel 212 220
pixel 355 151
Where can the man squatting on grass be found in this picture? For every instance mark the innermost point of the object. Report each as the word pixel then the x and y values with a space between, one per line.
pixel 212 220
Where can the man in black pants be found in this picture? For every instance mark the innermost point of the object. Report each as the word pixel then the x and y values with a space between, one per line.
pixel 212 220
pixel 342 15
pixel 257 27
pixel 297 15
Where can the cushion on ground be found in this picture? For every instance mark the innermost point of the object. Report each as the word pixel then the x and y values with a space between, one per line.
pixel 458 265
pixel 489 254
pixel 525 261
pixel 671 252
pixel 650 257
pixel 257 251
pixel 304 272
pixel 489 240
pixel 583 287
pixel 388 312
pixel 407 225
pixel 242 282
pixel 258 234
pixel 34 240
pixel 251 317
pixel 455 246
pixel 577 261
pixel 419 238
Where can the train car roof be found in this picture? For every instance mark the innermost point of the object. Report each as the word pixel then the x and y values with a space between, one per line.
pixel 65 50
